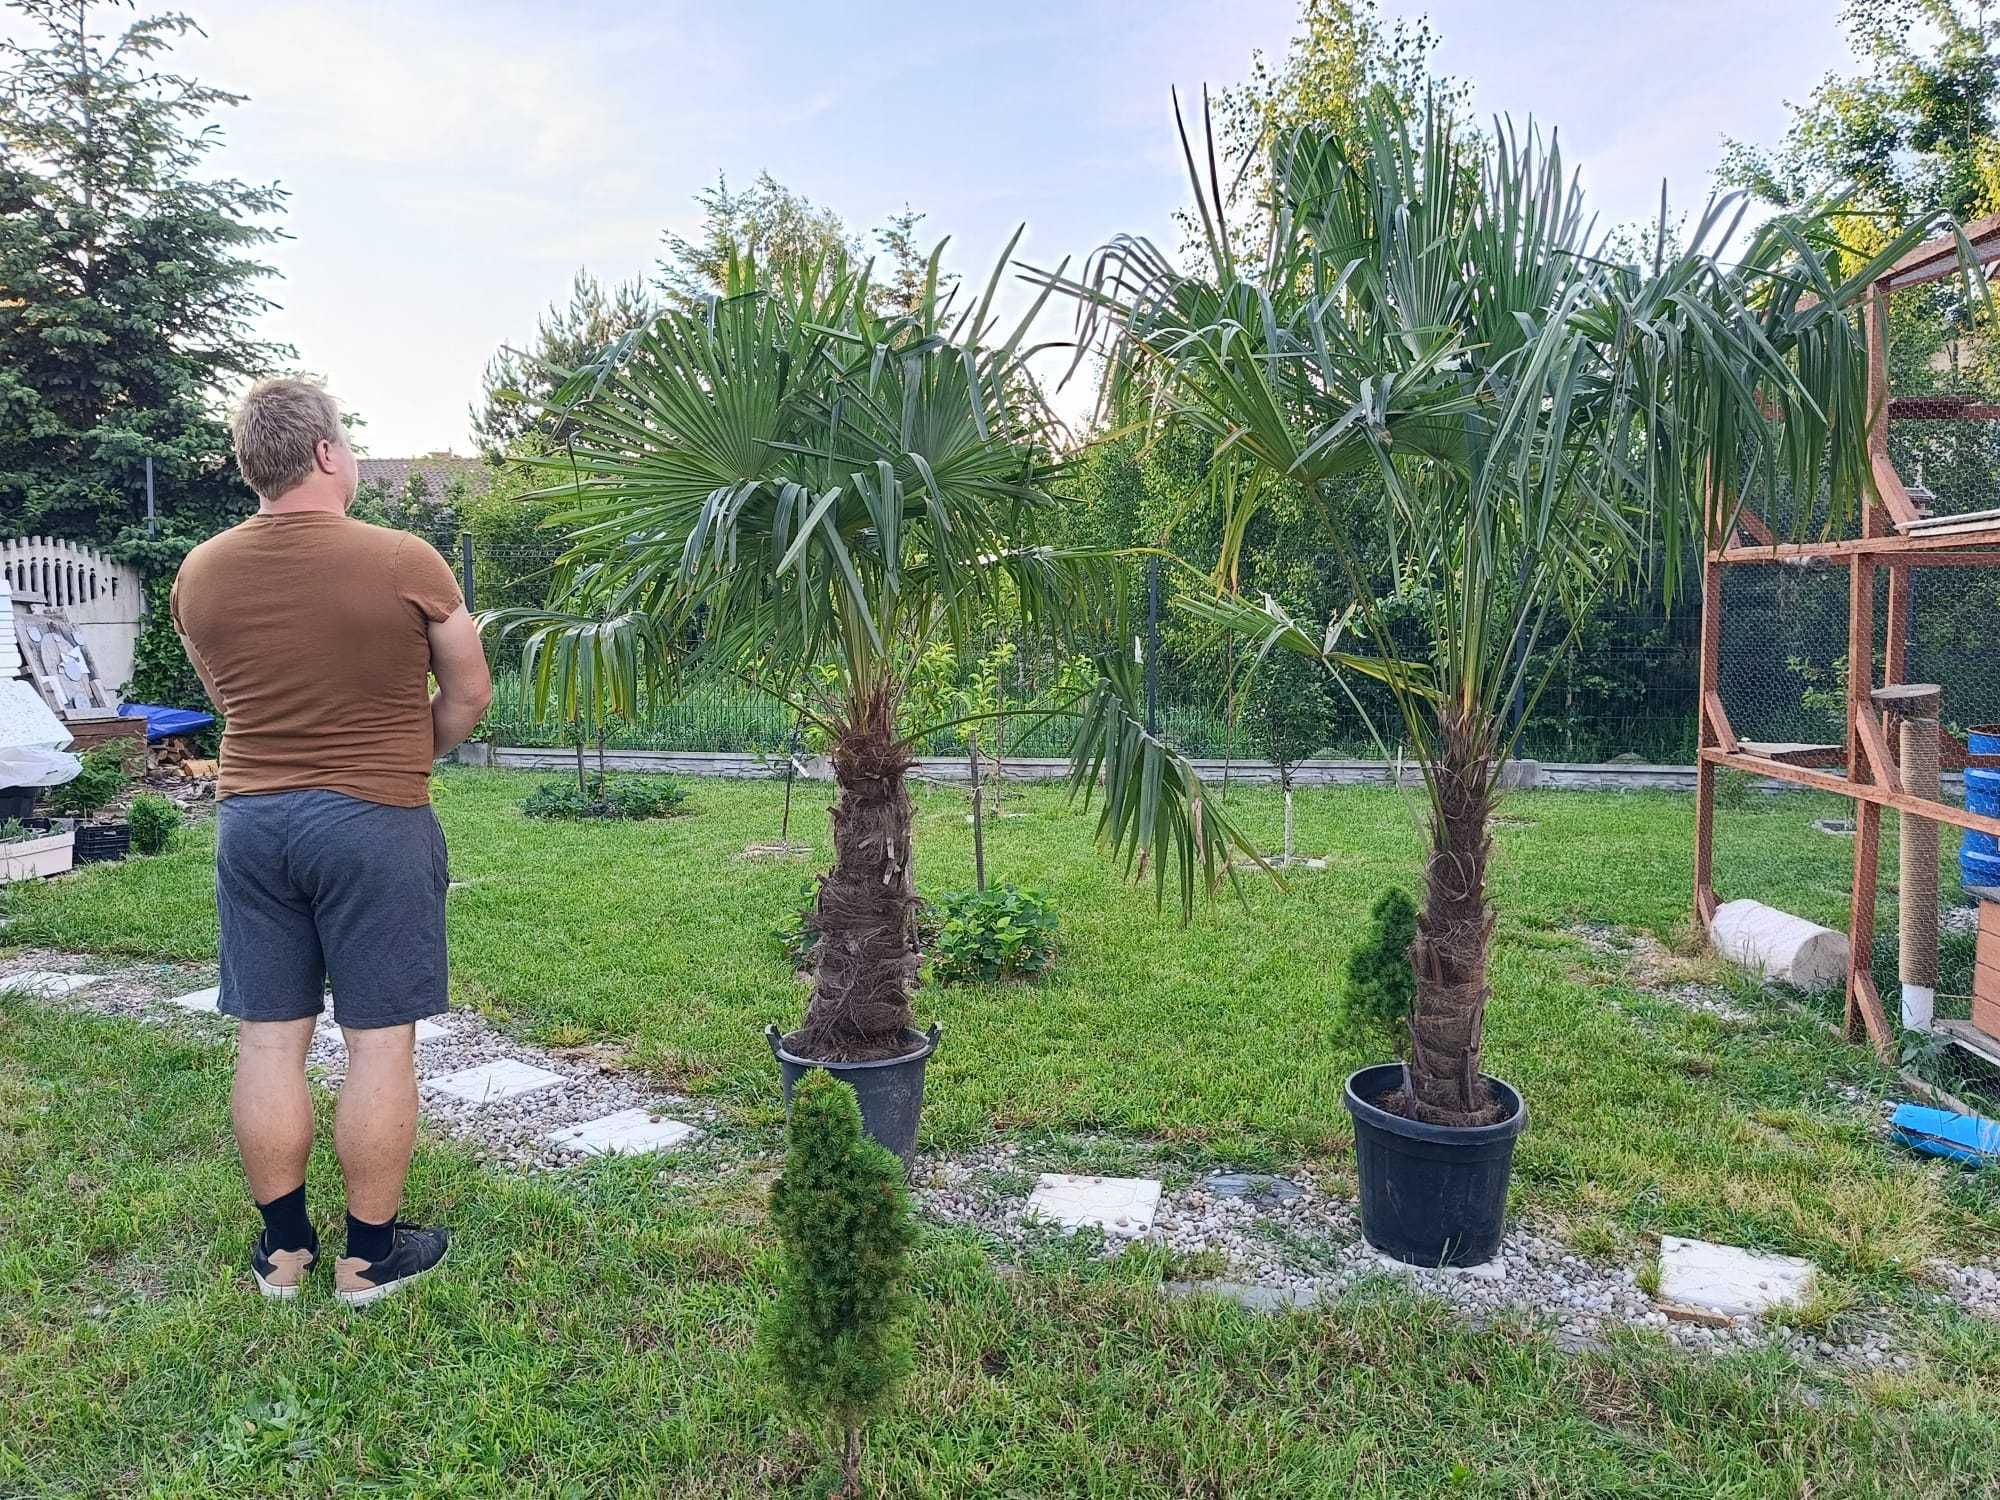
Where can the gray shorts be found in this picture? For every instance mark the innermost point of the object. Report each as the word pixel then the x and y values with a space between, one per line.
pixel 318 886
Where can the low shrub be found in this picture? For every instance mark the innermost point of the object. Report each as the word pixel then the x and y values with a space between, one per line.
pixel 93 788
pixel 153 821
pixel 1002 932
pixel 1381 984
pixel 630 798
pixel 838 1336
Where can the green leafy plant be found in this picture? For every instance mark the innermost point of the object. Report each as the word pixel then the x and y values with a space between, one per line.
pixel 96 786
pixel 838 1335
pixel 1002 932
pixel 153 821
pixel 13 831
pixel 614 798
pixel 1381 986
pixel 798 937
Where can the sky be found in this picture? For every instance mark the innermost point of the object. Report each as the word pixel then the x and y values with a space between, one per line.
pixel 451 165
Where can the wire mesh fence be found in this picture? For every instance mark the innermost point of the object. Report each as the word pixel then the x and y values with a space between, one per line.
pixel 1626 690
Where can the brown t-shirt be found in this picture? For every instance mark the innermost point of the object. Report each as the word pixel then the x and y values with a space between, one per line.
pixel 314 629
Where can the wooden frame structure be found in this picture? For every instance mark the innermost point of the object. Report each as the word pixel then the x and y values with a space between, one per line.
pixel 1896 538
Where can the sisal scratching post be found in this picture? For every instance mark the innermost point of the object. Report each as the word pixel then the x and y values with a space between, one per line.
pixel 1915 707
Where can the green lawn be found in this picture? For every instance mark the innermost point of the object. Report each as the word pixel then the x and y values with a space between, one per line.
pixel 592 1337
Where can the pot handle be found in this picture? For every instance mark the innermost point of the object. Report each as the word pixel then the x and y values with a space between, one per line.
pixel 774 1037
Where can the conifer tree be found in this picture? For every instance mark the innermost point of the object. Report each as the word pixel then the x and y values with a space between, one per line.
pixel 838 1335
pixel 128 283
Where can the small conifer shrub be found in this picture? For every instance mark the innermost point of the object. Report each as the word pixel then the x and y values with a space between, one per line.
pixel 153 821
pixel 838 1337
pixel 1381 985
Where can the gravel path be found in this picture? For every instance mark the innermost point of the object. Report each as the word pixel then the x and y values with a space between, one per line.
pixel 507 1132
pixel 1289 1242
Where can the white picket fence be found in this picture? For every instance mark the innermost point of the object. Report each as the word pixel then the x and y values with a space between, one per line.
pixel 102 598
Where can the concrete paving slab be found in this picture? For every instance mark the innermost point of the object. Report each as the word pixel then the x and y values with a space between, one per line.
pixel 1118 1205
pixel 490 1082
pixel 47 984
pixel 630 1132
pixel 1729 1280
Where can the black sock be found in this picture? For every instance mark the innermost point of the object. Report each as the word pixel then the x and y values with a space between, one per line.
pixel 370 1241
pixel 286 1226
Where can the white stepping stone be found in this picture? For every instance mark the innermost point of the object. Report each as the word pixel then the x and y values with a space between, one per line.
pixel 208 999
pixel 46 984
pixel 491 1082
pixel 630 1132
pixel 1122 1206
pixel 1725 1279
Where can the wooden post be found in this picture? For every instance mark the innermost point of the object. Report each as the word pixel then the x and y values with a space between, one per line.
pixel 1875 325
pixel 1864 1006
pixel 1915 708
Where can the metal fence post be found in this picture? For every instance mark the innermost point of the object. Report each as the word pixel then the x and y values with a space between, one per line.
pixel 465 565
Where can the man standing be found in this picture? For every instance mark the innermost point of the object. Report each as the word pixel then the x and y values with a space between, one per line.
pixel 316 635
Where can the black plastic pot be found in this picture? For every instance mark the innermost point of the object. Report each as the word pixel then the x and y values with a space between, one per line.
pixel 1431 1195
pixel 102 843
pixel 17 802
pixel 891 1092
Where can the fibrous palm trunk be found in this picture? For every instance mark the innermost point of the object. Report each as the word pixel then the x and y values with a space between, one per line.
pixel 1454 934
pixel 865 962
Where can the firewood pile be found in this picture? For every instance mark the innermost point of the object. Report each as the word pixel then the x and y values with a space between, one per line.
pixel 176 766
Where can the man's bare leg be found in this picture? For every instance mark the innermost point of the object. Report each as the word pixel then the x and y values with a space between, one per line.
pixel 271 1109
pixel 374 1127
pixel 271 1106
pixel 375 1124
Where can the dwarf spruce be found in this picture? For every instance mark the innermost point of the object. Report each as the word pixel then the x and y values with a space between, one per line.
pixel 838 1336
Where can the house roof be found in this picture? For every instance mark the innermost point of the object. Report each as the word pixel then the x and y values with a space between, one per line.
pixel 391 476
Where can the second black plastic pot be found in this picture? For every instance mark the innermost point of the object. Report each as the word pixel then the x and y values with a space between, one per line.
pixel 1431 1195
pixel 891 1092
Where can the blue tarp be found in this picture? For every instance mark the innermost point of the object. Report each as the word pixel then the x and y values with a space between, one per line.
pixel 161 722
pixel 1942 1132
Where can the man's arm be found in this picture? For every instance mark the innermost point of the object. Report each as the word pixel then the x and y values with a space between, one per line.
pixel 201 671
pixel 465 687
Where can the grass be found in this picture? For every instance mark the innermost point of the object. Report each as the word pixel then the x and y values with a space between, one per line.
pixel 592 1337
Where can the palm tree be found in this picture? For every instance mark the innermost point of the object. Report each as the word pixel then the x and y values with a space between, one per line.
pixel 791 486
pixel 1434 314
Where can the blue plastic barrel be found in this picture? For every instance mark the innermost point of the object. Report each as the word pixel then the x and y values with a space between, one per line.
pixel 1979 853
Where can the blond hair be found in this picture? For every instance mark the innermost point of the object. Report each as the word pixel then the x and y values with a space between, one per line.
pixel 278 430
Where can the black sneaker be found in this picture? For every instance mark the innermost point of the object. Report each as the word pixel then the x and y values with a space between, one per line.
pixel 280 1273
pixel 412 1252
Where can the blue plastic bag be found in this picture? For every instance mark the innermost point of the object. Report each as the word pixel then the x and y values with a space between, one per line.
pixel 162 721
pixel 1966 1138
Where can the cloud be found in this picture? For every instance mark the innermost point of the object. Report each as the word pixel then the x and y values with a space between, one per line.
pixel 406 88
